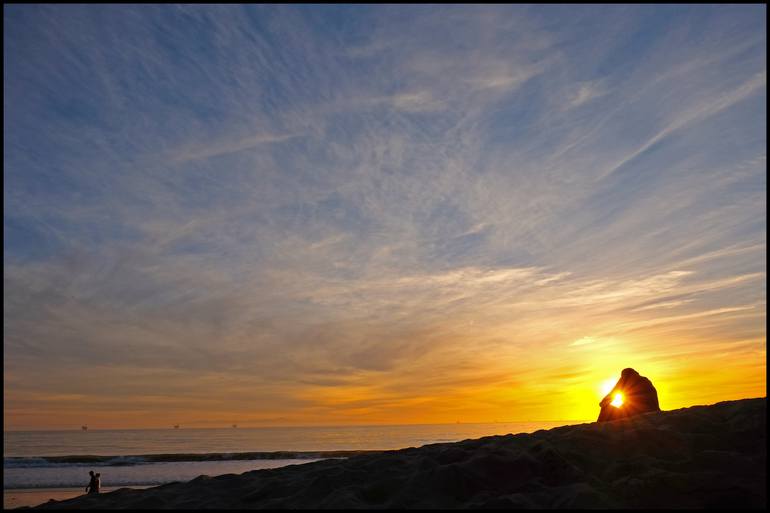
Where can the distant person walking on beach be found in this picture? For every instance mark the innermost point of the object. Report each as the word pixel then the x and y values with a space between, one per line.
pixel 633 394
pixel 95 483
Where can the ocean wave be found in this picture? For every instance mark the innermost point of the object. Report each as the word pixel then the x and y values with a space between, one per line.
pixel 78 483
pixel 75 475
pixel 143 459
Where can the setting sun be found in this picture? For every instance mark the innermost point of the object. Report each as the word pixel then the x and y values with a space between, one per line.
pixel 617 401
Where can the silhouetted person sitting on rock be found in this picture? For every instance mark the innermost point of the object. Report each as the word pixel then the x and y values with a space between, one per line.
pixel 636 393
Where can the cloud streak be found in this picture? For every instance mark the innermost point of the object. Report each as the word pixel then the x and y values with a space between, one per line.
pixel 227 147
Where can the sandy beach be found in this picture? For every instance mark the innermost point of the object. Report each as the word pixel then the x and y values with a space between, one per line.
pixel 17 498
pixel 702 456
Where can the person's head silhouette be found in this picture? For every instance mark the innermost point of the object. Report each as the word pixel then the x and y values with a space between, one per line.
pixel 628 373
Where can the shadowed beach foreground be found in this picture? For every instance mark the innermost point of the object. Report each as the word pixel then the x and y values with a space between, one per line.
pixel 703 456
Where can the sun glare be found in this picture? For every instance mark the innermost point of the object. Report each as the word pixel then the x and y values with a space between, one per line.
pixel 607 386
pixel 617 400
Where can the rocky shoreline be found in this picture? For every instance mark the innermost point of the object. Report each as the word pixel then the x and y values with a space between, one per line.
pixel 702 456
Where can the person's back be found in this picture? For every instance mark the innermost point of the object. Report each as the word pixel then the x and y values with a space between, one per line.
pixel 642 395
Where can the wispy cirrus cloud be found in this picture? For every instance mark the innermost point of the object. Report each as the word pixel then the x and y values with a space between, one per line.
pixel 379 214
pixel 204 151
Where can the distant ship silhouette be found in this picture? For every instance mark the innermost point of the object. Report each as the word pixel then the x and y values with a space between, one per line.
pixel 84 428
pixel 235 425
pixel 176 426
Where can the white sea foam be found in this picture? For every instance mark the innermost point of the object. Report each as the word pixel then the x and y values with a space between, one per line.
pixel 66 476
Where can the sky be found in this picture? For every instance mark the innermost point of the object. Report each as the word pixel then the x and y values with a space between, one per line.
pixel 379 214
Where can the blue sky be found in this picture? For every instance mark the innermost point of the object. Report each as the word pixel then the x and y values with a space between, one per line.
pixel 296 213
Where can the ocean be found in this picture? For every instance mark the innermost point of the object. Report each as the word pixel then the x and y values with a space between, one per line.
pixel 60 460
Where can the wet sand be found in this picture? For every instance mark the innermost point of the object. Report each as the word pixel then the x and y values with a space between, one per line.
pixel 34 496
pixel 703 456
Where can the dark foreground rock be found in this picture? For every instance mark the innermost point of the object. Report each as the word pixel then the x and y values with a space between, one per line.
pixel 703 456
